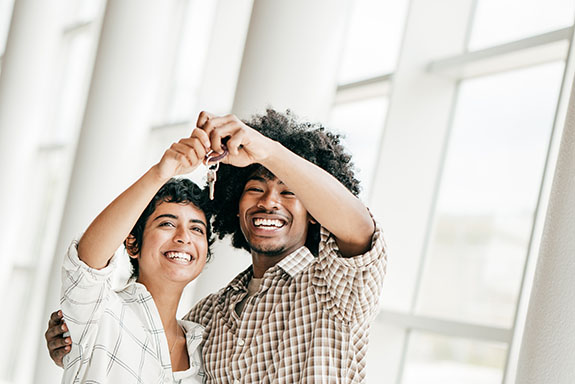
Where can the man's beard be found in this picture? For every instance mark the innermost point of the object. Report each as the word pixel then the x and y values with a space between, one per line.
pixel 267 251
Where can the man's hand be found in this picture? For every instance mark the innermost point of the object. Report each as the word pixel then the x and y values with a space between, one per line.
pixel 58 345
pixel 245 145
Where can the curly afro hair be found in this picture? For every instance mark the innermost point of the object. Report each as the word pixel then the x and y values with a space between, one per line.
pixel 182 191
pixel 310 141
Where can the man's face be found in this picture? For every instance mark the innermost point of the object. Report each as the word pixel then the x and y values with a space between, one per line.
pixel 272 219
pixel 174 246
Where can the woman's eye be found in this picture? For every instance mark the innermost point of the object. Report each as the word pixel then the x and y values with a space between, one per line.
pixel 289 193
pixel 167 224
pixel 198 229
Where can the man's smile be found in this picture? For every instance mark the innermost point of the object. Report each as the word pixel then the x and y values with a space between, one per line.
pixel 268 223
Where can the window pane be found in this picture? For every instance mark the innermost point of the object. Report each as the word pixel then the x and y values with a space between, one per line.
pixel 84 10
pixel 435 359
pixel 5 18
pixel 15 304
pixel 373 39
pixel 383 359
pixel 190 60
pixel 488 193
pixel 361 123
pixel 499 21
pixel 73 87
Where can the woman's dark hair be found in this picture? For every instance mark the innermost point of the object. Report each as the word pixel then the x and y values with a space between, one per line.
pixel 174 191
pixel 310 141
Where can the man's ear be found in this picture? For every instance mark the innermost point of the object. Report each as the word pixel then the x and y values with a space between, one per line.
pixel 131 247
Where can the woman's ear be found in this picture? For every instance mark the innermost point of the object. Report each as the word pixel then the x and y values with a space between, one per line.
pixel 311 219
pixel 131 247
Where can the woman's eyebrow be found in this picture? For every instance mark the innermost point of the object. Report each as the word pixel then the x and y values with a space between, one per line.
pixel 168 215
pixel 172 216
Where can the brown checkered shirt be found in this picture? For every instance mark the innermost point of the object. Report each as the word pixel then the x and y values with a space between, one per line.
pixel 308 323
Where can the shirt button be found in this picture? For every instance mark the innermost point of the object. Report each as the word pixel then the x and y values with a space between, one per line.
pixel 241 343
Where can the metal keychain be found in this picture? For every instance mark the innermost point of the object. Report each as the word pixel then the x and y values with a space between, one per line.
pixel 213 168
pixel 212 177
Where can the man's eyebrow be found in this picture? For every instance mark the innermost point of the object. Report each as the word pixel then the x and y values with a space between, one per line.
pixel 256 178
pixel 171 216
pixel 262 179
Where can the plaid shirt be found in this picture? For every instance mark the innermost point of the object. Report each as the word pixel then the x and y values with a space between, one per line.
pixel 117 336
pixel 308 323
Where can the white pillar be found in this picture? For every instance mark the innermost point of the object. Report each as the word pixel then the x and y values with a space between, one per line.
pixel 548 347
pixel 26 88
pixel 290 61
pixel 291 57
pixel 115 126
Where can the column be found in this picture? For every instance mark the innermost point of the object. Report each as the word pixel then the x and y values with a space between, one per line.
pixel 114 131
pixel 26 87
pixel 548 346
pixel 291 57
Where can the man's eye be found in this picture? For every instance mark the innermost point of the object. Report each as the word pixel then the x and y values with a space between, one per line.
pixel 254 189
pixel 289 193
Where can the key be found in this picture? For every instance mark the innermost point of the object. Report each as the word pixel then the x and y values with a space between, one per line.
pixel 212 177
pixel 213 168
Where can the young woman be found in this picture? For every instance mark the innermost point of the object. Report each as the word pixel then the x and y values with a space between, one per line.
pixel 132 335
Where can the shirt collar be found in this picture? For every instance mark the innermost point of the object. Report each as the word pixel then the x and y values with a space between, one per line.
pixel 240 282
pixel 296 261
pixel 292 264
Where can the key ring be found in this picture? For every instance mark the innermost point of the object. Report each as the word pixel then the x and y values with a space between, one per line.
pixel 213 167
pixel 215 159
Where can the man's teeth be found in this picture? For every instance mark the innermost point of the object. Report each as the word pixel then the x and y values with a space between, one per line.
pixel 268 223
pixel 179 255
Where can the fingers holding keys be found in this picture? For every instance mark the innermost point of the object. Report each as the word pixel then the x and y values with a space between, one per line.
pixel 203 118
pixel 58 345
pixel 182 157
pixel 245 145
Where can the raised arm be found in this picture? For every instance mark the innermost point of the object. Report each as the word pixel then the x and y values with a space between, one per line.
pixel 324 197
pixel 111 227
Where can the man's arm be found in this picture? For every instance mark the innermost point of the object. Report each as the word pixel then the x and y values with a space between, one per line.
pixel 325 198
pixel 58 345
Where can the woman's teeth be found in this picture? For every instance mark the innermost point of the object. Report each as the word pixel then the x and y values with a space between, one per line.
pixel 179 255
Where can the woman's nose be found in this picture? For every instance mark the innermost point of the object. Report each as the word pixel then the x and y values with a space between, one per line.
pixel 182 236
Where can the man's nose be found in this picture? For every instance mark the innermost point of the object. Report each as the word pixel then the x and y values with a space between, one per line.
pixel 269 200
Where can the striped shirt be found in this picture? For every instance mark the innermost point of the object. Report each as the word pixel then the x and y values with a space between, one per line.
pixel 117 335
pixel 308 322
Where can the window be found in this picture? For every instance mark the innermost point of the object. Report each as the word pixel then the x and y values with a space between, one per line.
pixel 453 312
pixel 5 18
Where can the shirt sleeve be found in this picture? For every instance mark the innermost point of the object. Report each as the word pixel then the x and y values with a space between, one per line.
pixel 350 287
pixel 203 311
pixel 84 296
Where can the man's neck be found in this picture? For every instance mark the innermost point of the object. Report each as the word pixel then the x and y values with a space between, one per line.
pixel 261 263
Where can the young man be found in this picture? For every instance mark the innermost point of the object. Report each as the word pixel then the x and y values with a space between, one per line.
pixel 301 313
